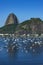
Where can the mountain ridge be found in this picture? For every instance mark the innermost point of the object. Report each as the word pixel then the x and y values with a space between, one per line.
pixel 31 26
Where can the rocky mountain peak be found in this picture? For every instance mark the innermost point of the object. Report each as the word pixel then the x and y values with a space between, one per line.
pixel 12 19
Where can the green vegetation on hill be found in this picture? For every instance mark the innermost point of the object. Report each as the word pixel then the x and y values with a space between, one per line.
pixel 32 26
pixel 8 29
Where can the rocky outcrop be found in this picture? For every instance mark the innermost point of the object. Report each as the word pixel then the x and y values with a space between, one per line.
pixel 12 19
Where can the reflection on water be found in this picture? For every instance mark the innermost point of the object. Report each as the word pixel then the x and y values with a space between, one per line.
pixel 12 48
pixel 25 50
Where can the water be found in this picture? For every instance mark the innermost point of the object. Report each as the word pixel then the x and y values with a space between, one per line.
pixel 27 51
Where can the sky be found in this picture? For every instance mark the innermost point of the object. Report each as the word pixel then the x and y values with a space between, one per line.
pixel 23 9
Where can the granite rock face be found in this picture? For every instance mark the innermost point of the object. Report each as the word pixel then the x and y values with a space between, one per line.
pixel 12 19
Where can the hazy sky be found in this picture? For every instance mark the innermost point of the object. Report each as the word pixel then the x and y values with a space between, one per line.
pixel 24 9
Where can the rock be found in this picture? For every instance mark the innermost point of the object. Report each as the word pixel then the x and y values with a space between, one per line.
pixel 12 19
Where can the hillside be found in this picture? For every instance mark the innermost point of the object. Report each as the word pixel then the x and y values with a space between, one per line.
pixel 8 29
pixel 32 26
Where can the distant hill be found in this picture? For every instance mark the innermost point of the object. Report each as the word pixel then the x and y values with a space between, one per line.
pixel 10 24
pixel 32 26
pixel 12 19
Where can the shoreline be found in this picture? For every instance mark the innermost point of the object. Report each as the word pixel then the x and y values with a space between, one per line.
pixel 23 35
